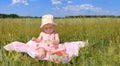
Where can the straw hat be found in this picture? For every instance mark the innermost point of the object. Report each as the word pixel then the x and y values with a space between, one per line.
pixel 47 19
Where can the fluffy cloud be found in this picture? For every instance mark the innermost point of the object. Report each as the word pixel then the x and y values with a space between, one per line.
pixel 82 9
pixel 69 2
pixel 20 1
pixel 56 2
pixel 55 8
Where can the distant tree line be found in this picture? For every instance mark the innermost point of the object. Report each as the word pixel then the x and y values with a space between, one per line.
pixel 80 16
pixel 9 16
pixel 15 16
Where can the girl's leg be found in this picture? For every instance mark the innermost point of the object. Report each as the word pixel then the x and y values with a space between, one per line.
pixel 41 53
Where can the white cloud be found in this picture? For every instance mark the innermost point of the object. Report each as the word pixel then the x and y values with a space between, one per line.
pixel 86 7
pixel 56 2
pixel 20 1
pixel 55 8
pixel 83 7
pixel 69 1
pixel 71 8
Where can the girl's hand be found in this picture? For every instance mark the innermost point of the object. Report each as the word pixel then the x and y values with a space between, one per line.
pixel 55 46
pixel 40 56
pixel 55 42
pixel 33 38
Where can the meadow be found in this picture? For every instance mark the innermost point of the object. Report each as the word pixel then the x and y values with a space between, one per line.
pixel 103 35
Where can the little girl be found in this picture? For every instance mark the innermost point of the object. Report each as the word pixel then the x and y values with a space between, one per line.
pixel 49 38
pixel 47 45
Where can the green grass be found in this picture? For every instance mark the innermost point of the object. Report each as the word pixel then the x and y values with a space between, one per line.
pixel 103 35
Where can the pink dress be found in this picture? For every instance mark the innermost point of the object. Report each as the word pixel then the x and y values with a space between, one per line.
pixel 30 47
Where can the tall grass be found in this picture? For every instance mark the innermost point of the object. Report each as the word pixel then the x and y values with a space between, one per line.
pixel 103 35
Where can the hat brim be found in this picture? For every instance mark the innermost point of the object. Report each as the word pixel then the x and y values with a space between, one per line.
pixel 47 23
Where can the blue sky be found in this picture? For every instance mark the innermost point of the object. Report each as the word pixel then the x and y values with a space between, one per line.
pixel 60 7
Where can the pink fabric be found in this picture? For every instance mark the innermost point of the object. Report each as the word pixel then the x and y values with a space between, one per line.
pixel 49 37
pixel 30 47
pixel 17 46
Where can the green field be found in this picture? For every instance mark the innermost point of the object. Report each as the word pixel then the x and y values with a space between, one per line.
pixel 103 35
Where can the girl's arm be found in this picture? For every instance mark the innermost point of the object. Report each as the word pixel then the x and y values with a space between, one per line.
pixel 37 39
pixel 56 39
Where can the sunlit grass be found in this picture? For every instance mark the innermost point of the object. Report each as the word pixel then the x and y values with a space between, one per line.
pixel 103 35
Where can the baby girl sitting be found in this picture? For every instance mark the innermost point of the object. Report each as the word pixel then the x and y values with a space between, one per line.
pixel 48 38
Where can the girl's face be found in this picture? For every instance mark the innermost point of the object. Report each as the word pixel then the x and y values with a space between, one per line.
pixel 48 28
